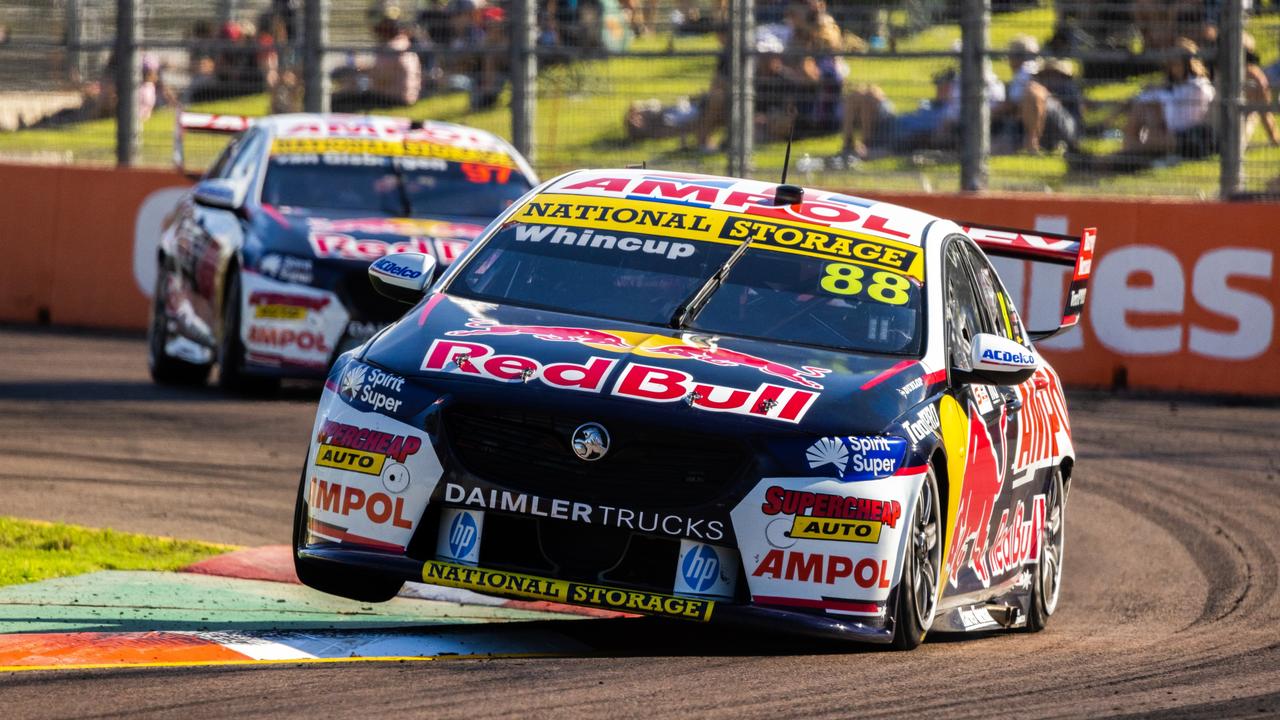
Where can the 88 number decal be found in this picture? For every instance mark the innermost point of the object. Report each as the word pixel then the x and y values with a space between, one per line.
pixel 846 279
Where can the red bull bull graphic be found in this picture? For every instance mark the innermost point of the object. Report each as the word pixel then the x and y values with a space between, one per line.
pixel 983 481
pixel 548 333
pixel 692 347
pixel 725 357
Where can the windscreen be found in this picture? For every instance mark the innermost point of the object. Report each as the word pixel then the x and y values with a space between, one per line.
pixel 771 293
pixel 397 186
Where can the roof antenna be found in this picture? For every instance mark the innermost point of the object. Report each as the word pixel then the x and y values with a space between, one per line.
pixel 788 194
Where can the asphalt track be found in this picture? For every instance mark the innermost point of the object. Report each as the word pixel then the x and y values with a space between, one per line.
pixel 1170 606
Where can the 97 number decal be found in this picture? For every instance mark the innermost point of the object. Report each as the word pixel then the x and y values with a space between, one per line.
pixel 886 287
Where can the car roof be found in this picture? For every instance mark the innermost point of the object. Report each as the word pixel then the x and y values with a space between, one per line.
pixel 749 198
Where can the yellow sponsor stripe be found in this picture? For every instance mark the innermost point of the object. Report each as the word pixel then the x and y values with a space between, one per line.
pixel 348 459
pixel 538 588
pixel 669 220
pixel 816 528
pixel 280 312
pixel 389 148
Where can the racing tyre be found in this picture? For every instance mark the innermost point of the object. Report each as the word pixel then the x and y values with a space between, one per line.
pixel 231 374
pixel 353 584
pixel 1047 585
pixel 922 567
pixel 167 370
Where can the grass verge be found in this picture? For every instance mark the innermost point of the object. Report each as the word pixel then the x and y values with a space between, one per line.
pixel 32 550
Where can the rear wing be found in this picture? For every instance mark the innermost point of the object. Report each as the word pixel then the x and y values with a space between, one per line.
pixel 1054 248
pixel 206 123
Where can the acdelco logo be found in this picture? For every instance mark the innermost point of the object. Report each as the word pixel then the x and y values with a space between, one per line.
pixel 387 267
pixel 1005 357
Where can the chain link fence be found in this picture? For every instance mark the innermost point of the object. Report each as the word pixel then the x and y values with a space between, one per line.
pixel 1103 97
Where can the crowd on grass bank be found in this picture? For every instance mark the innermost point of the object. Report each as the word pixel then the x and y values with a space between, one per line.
pixel 801 72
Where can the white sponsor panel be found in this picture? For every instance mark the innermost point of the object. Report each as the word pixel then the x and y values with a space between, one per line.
pixel 824 544
pixel 459 535
pixel 706 570
pixel 282 324
pixel 369 477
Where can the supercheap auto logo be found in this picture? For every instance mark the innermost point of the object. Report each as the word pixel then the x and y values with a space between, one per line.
pixel 823 516
pixel 362 450
pixel 529 586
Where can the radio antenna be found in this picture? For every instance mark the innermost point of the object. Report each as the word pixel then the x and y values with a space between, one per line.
pixel 788 194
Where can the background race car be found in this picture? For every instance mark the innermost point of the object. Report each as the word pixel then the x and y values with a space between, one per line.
pixel 262 266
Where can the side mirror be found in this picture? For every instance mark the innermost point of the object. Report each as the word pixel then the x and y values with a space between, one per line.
pixel 998 361
pixel 219 193
pixel 402 276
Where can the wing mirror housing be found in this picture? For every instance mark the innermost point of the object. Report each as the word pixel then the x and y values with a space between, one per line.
pixel 402 276
pixel 219 193
pixel 998 361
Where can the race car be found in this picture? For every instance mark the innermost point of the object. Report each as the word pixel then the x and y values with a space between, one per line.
pixel 262 266
pixel 710 399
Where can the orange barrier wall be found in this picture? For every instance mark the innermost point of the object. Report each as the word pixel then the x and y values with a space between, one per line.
pixel 1184 294
pixel 67 235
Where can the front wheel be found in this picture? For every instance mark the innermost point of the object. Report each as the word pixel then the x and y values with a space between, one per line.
pixel 353 584
pixel 1047 585
pixel 166 369
pixel 922 565
pixel 232 377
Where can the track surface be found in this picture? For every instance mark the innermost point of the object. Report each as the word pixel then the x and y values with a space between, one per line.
pixel 1170 607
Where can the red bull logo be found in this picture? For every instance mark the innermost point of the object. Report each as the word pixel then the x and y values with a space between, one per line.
pixel 983 482
pixel 702 349
pixel 635 381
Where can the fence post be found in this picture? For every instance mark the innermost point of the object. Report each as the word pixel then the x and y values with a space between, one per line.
pixel 75 37
pixel 742 102
pixel 315 82
pixel 128 67
pixel 975 115
pixel 1231 95
pixel 524 78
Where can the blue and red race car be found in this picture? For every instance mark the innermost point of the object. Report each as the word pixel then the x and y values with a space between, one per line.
pixel 711 399
pixel 262 266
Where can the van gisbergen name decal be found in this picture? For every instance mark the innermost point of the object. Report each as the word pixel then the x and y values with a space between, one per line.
pixel 389 148
pixel 561 591
pixel 603 215
pixel 635 381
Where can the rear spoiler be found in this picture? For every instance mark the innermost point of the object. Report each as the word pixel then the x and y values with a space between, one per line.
pixel 1054 248
pixel 203 122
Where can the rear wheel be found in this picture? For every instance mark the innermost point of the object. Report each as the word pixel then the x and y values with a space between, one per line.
pixel 351 583
pixel 1047 585
pixel 165 369
pixel 922 564
pixel 231 373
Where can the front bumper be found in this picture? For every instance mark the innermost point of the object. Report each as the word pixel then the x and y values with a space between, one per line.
pixel 526 587
pixel 747 552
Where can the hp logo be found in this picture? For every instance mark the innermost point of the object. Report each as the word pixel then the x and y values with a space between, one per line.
pixel 700 568
pixel 463 534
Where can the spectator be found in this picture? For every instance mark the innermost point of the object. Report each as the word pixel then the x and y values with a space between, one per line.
pixel 1174 118
pixel 393 79
pixel 1257 91
pixel 1031 118
pixel 871 124
pixel 808 76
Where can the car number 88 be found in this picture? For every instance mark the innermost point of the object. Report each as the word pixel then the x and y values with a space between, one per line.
pixel 886 287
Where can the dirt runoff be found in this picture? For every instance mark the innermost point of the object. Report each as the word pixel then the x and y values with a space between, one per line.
pixel 1170 604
